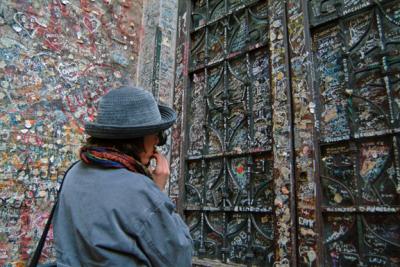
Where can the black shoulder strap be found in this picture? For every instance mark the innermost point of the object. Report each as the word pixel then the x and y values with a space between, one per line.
pixel 36 256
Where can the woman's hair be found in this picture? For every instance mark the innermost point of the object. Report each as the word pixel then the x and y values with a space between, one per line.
pixel 131 147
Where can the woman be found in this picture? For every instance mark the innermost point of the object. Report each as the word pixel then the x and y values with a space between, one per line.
pixel 111 210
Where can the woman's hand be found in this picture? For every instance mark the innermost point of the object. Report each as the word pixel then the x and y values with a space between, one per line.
pixel 161 172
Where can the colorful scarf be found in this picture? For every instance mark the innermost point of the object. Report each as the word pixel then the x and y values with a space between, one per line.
pixel 108 157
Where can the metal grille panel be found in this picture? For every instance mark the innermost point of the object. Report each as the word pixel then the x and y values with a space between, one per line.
pixel 357 48
pixel 228 176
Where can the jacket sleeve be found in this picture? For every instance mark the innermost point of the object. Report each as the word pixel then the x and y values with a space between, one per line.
pixel 165 238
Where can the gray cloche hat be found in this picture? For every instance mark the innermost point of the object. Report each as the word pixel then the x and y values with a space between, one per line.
pixel 129 112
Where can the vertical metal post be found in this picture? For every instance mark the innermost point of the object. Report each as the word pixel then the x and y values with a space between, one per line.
pixel 225 114
pixel 204 165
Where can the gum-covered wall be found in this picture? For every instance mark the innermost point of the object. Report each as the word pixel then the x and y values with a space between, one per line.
pixel 56 59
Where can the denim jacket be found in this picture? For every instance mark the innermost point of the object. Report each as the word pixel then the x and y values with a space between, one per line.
pixel 114 217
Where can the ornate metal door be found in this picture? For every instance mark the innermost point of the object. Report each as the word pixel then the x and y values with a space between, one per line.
pixel 230 195
pixel 357 64
pixel 228 167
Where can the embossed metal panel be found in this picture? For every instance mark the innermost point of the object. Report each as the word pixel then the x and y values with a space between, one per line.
pixel 357 62
pixel 228 176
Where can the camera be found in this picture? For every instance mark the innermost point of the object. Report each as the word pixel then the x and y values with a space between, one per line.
pixel 162 138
